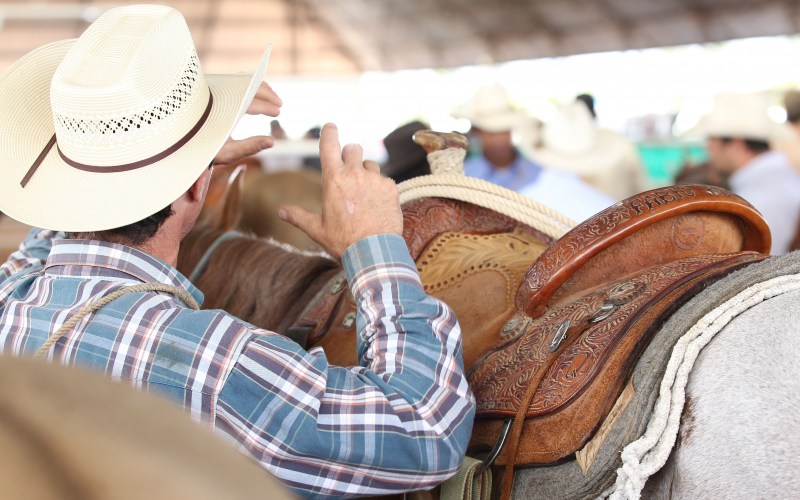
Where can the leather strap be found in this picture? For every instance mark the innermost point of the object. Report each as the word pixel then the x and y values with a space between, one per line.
pixel 315 320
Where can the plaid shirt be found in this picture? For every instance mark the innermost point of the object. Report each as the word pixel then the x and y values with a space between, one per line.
pixel 399 422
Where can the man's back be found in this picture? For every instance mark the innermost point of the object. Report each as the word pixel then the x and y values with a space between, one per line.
pixel 281 403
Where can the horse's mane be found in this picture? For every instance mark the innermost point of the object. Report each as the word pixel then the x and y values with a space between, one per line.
pixel 254 279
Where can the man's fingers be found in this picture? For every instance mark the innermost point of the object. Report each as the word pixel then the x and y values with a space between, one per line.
pixel 265 102
pixel 259 107
pixel 353 155
pixel 330 152
pixel 266 93
pixel 309 223
pixel 234 151
pixel 372 166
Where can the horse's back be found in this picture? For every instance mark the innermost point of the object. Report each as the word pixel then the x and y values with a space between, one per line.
pixel 740 432
pixel 265 192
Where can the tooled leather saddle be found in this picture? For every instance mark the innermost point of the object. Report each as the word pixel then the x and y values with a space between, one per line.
pixel 548 346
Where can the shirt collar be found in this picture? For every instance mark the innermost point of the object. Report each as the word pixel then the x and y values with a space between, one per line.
pixel 91 258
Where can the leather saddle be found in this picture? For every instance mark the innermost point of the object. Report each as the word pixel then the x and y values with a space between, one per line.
pixel 548 347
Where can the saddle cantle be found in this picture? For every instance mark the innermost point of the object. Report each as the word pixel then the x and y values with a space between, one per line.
pixel 590 304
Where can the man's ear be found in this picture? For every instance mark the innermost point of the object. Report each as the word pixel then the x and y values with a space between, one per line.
pixel 197 190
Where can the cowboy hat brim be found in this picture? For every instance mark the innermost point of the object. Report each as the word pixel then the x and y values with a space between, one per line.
pixel 61 197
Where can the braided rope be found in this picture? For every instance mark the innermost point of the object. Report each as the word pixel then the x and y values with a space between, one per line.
pixel 93 306
pixel 487 195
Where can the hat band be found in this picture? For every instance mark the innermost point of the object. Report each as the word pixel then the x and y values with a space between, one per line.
pixel 119 168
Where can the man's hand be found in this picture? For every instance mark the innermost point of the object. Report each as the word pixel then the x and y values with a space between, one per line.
pixel 266 102
pixel 356 200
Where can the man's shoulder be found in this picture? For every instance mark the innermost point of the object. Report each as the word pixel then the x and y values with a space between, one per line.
pixel 212 320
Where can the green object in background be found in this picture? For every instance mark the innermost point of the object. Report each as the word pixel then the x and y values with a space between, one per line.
pixel 663 160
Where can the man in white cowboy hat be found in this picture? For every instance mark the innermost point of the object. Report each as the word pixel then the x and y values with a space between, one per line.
pixel 109 137
pixel 493 120
pixel 571 141
pixel 738 133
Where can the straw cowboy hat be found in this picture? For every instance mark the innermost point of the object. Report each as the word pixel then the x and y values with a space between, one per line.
pixel 572 141
pixel 491 110
pixel 739 116
pixel 105 130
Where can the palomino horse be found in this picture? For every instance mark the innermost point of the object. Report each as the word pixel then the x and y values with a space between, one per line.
pixel 260 193
pixel 512 287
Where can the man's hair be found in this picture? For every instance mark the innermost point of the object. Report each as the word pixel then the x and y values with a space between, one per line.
pixel 132 234
pixel 791 101
pixel 756 146
pixel 588 100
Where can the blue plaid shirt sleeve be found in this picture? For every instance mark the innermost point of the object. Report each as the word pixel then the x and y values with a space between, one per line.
pixel 400 421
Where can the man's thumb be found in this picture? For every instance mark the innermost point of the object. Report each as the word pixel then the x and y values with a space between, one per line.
pixel 305 221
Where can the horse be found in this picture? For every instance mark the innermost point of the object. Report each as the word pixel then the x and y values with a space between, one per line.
pixel 258 194
pixel 733 440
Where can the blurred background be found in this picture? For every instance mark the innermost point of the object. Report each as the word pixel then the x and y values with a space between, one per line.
pixel 653 66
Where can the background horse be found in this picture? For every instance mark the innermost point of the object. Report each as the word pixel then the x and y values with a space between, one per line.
pixel 736 440
pixel 258 194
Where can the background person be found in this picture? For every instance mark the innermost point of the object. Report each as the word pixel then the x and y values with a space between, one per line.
pixel 604 159
pixel 738 133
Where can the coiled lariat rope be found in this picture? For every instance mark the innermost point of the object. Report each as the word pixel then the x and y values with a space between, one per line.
pixel 448 181
pixel 93 306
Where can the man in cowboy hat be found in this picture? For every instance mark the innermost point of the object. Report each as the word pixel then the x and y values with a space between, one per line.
pixel 109 137
pixel 738 133
pixel 571 141
pixel 493 119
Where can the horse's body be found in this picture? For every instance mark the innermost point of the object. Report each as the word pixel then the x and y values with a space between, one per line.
pixel 740 432
pixel 739 437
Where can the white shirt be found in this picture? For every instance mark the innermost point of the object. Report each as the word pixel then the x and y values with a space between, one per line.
pixel 566 193
pixel 771 185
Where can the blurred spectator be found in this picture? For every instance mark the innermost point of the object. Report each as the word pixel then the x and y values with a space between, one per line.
pixel 493 119
pixel 738 133
pixel 588 100
pixel 406 159
pixel 573 142
pixel 702 173
pixel 498 161
pixel 788 141
pixel 791 101
pixel 312 161
pixel 276 130
pixel 313 133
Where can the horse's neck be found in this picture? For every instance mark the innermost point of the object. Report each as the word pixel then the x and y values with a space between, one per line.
pixel 260 282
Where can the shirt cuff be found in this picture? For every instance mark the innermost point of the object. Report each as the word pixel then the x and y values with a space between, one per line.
pixel 377 252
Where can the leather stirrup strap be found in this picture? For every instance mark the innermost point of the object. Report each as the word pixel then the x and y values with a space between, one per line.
pixel 573 333
pixel 519 423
